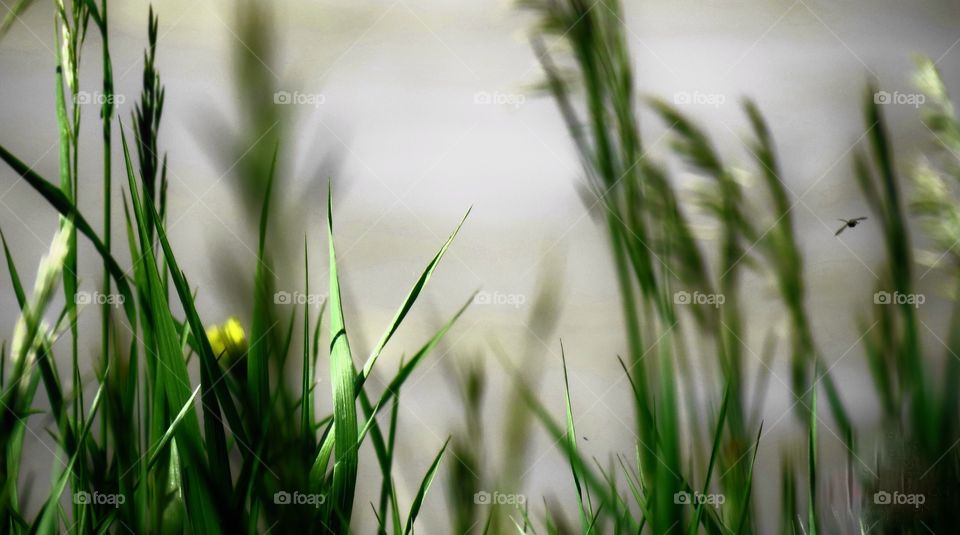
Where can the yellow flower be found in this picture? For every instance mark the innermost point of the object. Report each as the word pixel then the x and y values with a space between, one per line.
pixel 229 342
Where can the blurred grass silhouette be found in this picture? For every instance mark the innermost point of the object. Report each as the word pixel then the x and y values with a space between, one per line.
pixel 193 428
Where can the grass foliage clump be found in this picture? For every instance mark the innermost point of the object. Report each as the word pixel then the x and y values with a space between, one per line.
pixel 193 428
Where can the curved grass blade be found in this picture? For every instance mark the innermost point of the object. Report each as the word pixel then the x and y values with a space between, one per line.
pixel 172 377
pixel 49 522
pixel 342 375
pixel 408 304
pixel 14 275
pixel 68 209
pixel 424 486
pixel 717 434
pixel 258 370
pixel 571 440
pixel 745 511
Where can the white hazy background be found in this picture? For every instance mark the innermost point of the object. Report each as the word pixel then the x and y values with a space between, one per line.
pixel 402 117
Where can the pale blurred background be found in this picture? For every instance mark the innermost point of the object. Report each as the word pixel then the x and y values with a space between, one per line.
pixel 421 109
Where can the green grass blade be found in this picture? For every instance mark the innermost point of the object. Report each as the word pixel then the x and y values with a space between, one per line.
pixel 717 435
pixel 424 487
pixel 14 275
pixel 408 303
pixel 171 429
pixel 571 439
pixel 306 387
pixel 48 522
pixel 13 15
pixel 342 375
pixel 745 511
pixel 812 464
pixel 258 370
pixel 172 377
pixel 68 209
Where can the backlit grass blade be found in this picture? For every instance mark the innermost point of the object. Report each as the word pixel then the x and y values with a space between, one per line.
pixel 571 439
pixel 424 487
pixel 49 521
pixel 386 485
pixel 215 392
pixel 319 466
pixel 717 436
pixel 171 429
pixel 406 369
pixel 13 15
pixel 68 209
pixel 258 369
pixel 744 512
pixel 306 387
pixel 342 376
pixel 392 389
pixel 14 275
pixel 172 376
pixel 812 463
pixel 558 433
pixel 408 304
